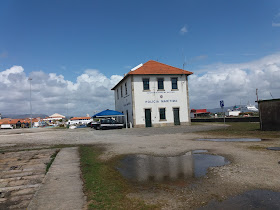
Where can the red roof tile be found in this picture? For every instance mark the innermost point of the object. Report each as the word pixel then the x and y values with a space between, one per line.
pixel 80 118
pixel 154 68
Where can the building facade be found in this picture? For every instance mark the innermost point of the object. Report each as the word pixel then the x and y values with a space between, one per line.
pixel 269 111
pixel 154 94
pixel 79 120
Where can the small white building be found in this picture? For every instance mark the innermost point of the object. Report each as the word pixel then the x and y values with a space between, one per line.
pixel 234 113
pixel 80 120
pixel 154 94
pixel 52 120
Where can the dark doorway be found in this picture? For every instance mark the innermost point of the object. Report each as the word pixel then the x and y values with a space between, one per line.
pixel 127 119
pixel 176 116
pixel 148 118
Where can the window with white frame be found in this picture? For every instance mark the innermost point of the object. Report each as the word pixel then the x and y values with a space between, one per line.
pixel 146 84
pixel 162 114
pixel 174 82
pixel 160 84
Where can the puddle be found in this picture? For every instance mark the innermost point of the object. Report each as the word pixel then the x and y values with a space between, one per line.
pixel 273 148
pixel 255 199
pixel 230 140
pixel 144 168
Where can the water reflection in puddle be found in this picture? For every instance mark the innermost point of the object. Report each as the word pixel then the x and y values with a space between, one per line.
pixel 274 148
pixel 142 168
pixel 234 140
pixel 255 199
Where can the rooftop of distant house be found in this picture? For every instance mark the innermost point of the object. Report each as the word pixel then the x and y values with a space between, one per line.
pixel 80 118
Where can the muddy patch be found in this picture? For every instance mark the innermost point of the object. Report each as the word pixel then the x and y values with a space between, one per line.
pixel 148 168
pixel 255 199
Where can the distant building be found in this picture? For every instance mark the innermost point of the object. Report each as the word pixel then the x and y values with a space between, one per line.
pixel 232 113
pixel 199 113
pixel 17 123
pixel 154 94
pixel 54 118
pixel 269 111
pixel 80 120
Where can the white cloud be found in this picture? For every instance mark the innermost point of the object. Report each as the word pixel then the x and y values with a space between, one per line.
pixel 235 82
pixel 184 30
pixel 275 24
pixel 53 93
pixel 92 90
pixel 276 20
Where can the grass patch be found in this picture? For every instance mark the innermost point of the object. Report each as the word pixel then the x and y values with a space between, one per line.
pixel 242 129
pixel 48 165
pixel 103 185
pixel 257 147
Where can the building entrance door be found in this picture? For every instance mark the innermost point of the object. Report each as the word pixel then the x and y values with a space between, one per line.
pixel 148 118
pixel 176 116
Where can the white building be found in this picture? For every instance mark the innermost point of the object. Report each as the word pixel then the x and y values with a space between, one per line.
pixel 80 120
pixel 234 113
pixel 154 94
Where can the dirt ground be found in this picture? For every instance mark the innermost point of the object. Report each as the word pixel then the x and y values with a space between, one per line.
pixel 252 165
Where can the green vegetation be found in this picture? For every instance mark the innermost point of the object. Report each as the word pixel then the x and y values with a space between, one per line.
pixel 48 165
pixel 242 129
pixel 104 186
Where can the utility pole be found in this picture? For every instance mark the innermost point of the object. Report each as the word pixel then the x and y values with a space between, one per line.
pixel 257 94
pixel 30 79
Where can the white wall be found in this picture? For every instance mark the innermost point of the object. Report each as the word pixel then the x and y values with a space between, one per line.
pixel 156 99
pixel 123 104
pixel 80 121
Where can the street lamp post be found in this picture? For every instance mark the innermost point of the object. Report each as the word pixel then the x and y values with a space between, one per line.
pixel 30 79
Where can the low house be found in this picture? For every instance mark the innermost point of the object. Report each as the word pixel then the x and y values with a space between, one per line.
pixel 269 111
pixel 233 113
pixel 199 113
pixel 54 118
pixel 17 123
pixel 80 120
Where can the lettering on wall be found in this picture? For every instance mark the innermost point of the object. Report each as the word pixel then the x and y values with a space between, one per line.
pixel 160 101
pixel 127 104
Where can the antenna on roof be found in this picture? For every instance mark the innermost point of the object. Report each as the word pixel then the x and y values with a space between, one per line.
pixel 184 57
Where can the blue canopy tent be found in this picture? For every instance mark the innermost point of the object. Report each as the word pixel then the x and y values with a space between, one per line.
pixel 110 113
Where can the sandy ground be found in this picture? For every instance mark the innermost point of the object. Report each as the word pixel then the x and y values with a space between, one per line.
pixel 252 166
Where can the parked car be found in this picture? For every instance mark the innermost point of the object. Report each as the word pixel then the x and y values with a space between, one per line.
pixel 107 124
pixel 6 126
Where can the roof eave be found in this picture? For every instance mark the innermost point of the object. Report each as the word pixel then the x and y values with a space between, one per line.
pixel 120 81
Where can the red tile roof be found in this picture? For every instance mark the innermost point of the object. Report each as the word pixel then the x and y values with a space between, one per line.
pixel 14 121
pixel 80 118
pixel 199 111
pixel 155 68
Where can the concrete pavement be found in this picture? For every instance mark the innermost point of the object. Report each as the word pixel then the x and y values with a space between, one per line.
pixel 62 187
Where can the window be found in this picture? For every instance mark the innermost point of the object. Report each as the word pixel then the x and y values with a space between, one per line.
pixel 162 114
pixel 160 84
pixel 125 89
pixel 121 92
pixel 117 93
pixel 174 83
pixel 146 84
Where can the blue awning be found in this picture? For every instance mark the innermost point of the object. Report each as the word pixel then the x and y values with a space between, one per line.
pixel 108 113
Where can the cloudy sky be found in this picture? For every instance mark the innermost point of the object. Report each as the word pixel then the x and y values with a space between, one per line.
pixel 75 51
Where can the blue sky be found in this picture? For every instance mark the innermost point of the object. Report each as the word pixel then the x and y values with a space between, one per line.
pixel 69 37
